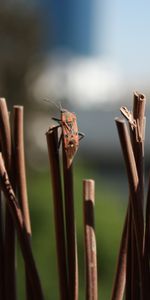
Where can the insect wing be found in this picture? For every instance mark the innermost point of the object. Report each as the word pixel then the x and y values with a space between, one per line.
pixel 70 135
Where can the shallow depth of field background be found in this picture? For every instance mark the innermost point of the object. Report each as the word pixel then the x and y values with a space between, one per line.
pixel 89 56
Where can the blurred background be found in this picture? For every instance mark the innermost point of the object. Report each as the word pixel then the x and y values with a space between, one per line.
pixel 89 56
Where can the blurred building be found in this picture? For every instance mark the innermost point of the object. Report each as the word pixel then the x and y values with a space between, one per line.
pixel 79 67
pixel 73 23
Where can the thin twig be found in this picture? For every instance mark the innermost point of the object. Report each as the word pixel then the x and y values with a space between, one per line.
pixel 128 289
pixel 20 175
pixel 147 244
pixel 20 166
pixel 134 185
pixel 2 265
pixel 9 239
pixel 120 278
pixel 137 132
pixel 137 139
pixel 90 239
pixel 18 220
pixel 52 142
pixel 70 229
pixel 147 227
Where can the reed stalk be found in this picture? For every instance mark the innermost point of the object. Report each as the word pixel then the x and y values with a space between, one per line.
pixel 120 276
pixel 90 239
pixel 19 162
pixel 15 211
pixel 70 228
pixel 9 237
pixel 2 265
pixel 137 139
pixel 52 143
pixel 134 191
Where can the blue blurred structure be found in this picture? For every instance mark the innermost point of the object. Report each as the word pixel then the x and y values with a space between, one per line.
pixel 71 23
pixel 117 29
pixel 78 66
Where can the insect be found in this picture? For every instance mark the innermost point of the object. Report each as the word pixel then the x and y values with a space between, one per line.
pixel 70 135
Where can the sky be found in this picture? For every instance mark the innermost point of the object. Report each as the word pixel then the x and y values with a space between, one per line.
pixel 128 39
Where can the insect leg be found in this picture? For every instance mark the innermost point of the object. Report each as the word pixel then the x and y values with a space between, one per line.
pixel 67 126
pixel 81 135
pixel 58 126
pixel 60 139
pixel 56 119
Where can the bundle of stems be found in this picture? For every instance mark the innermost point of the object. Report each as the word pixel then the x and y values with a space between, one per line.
pixel 16 219
pixel 133 270
pixel 65 227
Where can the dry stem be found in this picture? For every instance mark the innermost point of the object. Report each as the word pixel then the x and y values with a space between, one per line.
pixel 90 239
pixel 52 142
pixel 23 237
pixel 9 238
pixel 70 229
pixel 134 189
pixel 120 277
pixel 137 139
pixel 20 172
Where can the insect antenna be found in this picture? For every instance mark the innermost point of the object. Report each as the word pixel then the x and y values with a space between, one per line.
pixel 60 106
pixel 54 103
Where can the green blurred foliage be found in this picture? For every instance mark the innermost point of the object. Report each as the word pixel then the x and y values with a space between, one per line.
pixel 109 216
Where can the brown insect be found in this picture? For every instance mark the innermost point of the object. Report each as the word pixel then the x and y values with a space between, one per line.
pixel 70 135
